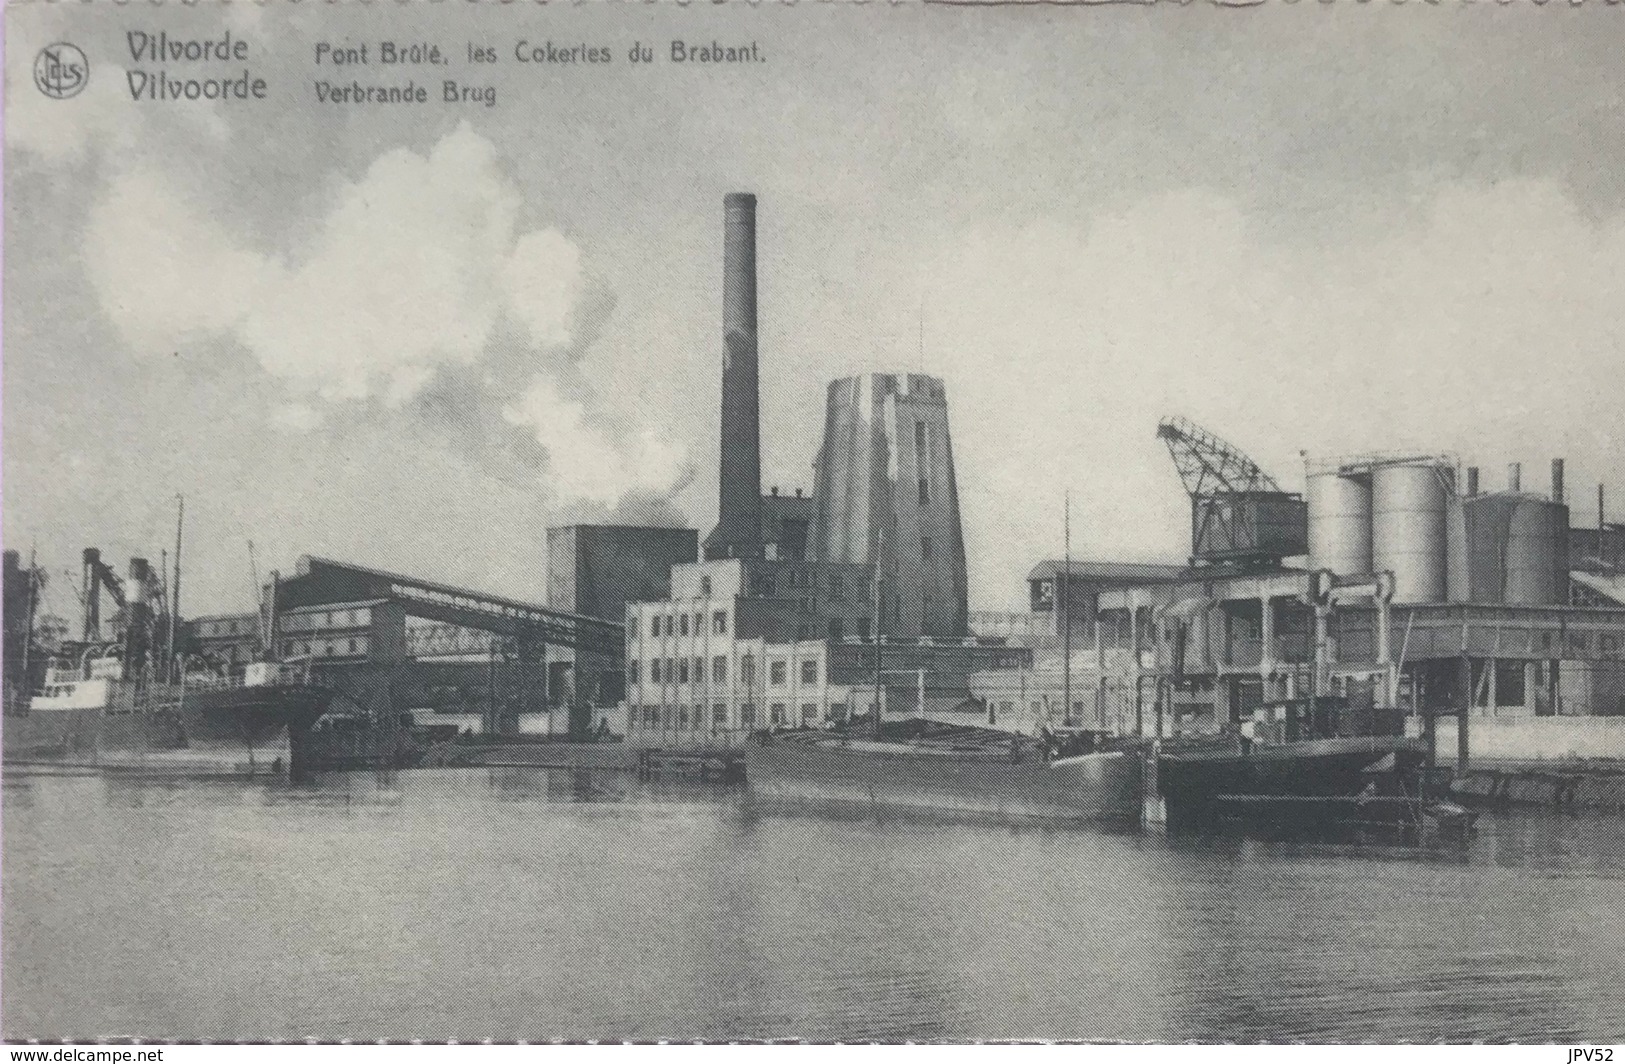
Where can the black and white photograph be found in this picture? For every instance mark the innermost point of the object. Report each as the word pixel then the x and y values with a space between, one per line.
pixel 764 522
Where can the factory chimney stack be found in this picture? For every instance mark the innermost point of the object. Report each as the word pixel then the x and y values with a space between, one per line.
pixel 738 533
pixel 1515 476
pixel 1557 480
pixel 1472 480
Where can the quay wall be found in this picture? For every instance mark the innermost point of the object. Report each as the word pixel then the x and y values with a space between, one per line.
pixel 1523 739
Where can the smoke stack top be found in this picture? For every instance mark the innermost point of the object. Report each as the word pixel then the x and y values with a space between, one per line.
pixel 1557 480
pixel 739 481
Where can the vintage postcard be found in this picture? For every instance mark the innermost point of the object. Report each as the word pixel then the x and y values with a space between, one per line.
pixel 826 522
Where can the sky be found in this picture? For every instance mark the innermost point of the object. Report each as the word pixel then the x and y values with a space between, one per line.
pixel 414 337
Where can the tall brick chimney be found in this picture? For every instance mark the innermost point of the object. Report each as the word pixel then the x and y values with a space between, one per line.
pixel 738 533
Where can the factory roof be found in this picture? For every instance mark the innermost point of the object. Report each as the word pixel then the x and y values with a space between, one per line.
pixel 1110 572
pixel 1607 586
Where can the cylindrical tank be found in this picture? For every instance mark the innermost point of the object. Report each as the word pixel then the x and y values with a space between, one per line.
pixel 1537 554
pixel 1408 504
pixel 1339 523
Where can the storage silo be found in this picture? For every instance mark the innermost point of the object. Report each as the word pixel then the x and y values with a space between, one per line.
pixel 1339 523
pixel 1408 504
pixel 1512 550
pixel 1537 553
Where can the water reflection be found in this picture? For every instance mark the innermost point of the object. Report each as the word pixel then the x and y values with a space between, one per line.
pixel 532 903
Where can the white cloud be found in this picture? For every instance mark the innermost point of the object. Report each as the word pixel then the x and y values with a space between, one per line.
pixel 587 465
pixel 409 273
pixel 164 273
pixel 543 283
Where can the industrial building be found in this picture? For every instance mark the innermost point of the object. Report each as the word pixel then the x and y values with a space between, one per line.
pixel 1405 589
pixel 800 587
pixel 751 643
pixel 595 570
pixel 392 643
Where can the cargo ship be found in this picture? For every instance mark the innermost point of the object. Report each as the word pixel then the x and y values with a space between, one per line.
pixel 942 771
pixel 98 713
pixel 90 710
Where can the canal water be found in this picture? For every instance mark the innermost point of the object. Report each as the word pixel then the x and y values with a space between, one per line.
pixel 541 904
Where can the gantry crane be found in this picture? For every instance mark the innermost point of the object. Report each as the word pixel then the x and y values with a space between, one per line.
pixel 1239 514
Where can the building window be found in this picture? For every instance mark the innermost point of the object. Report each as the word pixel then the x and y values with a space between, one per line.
pixel 682 671
pixel 682 716
pixel 719 622
pixel 925 493
pixel 775 673
pixel 863 626
pixel 837 710
pixel 632 671
pixel 837 585
pixel 682 624
pixel 719 715
pixel 809 672
pixel 654 670
pixel 747 715
pixel 747 670
pixel 287 649
pixel 719 669
pixel 699 624
pixel 835 628
pixel 778 713
pixel 705 586
pixel 920 442
pixel 651 714
pixel 352 646
pixel 809 711
pixel 631 626
pixel 926 552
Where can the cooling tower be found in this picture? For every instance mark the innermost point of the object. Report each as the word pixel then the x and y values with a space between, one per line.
pixel 886 495
pixel 739 484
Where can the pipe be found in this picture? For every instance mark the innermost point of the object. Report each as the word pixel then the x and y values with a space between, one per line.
pixel 1472 480
pixel 1515 476
pixel 1557 480
pixel 93 594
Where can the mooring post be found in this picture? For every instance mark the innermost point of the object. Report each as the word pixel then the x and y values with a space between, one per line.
pixel 1462 726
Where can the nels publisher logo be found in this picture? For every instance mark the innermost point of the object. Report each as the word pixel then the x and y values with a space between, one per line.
pixel 61 70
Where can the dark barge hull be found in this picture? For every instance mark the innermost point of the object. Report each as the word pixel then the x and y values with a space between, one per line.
pixel 943 786
pixel 1307 784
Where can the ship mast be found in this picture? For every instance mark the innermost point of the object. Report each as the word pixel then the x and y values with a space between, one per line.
pixel 1066 610
pixel 175 589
